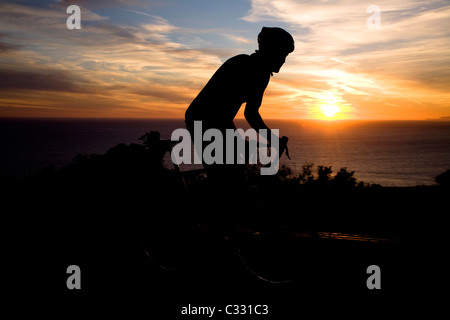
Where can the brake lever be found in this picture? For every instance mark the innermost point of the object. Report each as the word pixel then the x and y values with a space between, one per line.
pixel 287 153
pixel 285 141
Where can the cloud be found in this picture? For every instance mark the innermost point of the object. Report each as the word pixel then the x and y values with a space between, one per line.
pixel 44 80
pixel 147 62
pixel 142 66
pixel 239 39
pixel 337 50
pixel 5 47
pixel 339 27
pixel 102 4
pixel 174 94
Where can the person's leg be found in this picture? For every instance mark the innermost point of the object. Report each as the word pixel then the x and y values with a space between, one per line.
pixel 225 197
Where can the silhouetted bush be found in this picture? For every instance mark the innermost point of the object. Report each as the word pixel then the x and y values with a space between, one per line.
pixel 323 178
pixel 125 179
pixel 307 175
pixel 344 179
pixel 324 175
pixel 443 179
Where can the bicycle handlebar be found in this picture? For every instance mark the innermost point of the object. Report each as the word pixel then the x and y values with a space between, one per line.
pixel 169 144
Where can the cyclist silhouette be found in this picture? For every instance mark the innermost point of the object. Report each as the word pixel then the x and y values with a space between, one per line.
pixel 242 78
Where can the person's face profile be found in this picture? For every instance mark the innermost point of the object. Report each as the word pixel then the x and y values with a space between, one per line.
pixel 277 59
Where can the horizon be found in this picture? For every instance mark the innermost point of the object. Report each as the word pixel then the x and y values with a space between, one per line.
pixel 149 59
pixel 331 122
pixel 441 119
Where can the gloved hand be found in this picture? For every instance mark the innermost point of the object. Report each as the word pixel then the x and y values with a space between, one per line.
pixel 283 146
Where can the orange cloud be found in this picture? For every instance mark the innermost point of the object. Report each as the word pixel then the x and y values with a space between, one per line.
pixel 405 63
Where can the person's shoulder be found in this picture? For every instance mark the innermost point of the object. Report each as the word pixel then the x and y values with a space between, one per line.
pixel 240 58
pixel 236 64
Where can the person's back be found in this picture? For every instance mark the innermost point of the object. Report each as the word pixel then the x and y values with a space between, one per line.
pixel 234 83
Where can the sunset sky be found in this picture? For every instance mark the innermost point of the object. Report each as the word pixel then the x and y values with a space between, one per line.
pixel 149 59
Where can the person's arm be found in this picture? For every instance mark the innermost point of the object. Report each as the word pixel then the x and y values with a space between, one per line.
pixel 253 117
pixel 255 96
pixel 251 114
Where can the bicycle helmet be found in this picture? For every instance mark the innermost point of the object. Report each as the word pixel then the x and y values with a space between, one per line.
pixel 275 39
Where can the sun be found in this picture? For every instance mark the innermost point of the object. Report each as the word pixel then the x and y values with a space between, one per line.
pixel 329 110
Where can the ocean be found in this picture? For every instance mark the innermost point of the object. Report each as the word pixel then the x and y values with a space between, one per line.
pixel 390 153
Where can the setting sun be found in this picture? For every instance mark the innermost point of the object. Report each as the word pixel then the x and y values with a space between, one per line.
pixel 329 110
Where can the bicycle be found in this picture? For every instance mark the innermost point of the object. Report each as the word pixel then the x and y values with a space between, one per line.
pixel 264 250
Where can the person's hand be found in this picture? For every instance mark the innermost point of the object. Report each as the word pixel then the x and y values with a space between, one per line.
pixel 283 146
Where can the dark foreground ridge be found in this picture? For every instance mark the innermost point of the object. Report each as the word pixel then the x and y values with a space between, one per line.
pixel 94 213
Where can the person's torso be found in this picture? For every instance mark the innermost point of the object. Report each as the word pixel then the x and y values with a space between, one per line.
pixel 231 85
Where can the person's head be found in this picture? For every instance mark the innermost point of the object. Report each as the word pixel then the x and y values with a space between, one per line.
pixel 275 44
